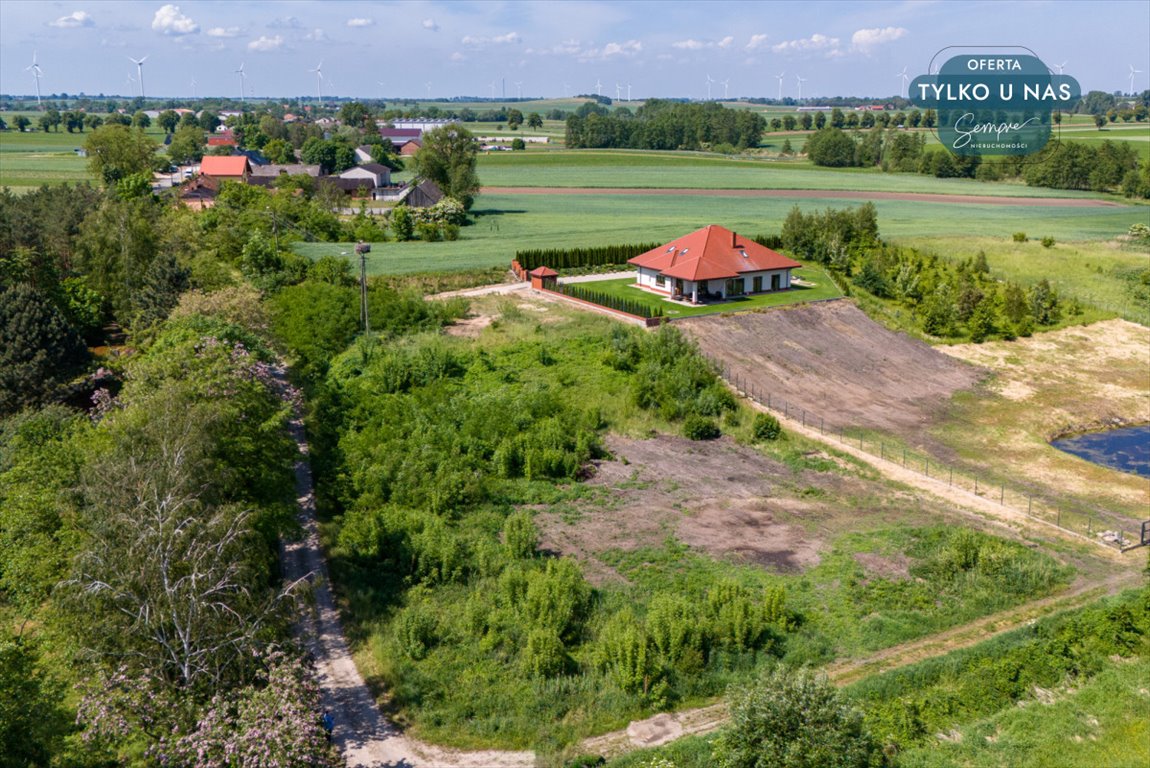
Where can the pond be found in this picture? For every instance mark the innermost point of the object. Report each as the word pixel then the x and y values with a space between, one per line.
pixel 1126 449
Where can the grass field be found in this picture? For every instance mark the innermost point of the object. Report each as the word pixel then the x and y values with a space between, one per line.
pixel 506 223
pixel 697 170
pixel 31 159
pixel 821 287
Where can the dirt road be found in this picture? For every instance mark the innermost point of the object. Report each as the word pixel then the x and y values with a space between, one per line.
pixel 921 197
pixel 365 738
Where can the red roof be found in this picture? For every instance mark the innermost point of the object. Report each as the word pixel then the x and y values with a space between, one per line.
pixel 218 165
pixel 711 253
pixel 543 272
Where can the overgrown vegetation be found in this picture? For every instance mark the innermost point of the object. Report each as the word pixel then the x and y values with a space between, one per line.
pixel 944 299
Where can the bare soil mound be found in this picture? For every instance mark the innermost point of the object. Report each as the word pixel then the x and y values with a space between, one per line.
pixel 834 362
pixel 717 497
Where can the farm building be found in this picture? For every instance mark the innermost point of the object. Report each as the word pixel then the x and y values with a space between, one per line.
pixel 712 263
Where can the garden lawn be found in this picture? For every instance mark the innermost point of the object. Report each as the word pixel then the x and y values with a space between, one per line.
pixel 820 287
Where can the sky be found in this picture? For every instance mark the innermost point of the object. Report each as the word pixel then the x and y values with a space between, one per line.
pixel 443 49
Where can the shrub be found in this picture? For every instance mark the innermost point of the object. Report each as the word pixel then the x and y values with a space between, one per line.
pixel 1020 237
pixel 450 232
pixel 766 427
pixel 794 720
pixel 585 761
pixel 518 144
pixel 402 223
pixel 697 427
pixel 520 535
pixel 544 654
pixel 415 631
pixel 1048 242
pixel 427 231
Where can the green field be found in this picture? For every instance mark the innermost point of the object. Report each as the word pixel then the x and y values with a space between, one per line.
pixel 506 223
pixel 632 168
pixel 31 159
pixel 821 287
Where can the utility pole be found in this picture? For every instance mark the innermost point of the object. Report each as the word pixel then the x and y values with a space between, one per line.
pixel 363 249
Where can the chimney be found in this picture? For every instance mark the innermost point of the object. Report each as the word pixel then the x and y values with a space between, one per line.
pixel 733 243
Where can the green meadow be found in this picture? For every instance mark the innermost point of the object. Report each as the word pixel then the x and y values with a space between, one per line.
pixel 630 168
pixel 506 223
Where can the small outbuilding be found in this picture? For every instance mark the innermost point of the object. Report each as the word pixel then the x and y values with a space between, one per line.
pixel 543 278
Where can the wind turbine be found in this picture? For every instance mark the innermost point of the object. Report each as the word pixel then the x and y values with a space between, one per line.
pixel 319 81
pixel 618 92
pixel 36 73
pixel 780 77
pixel 1132 73
pixel 1060 67
pixel 628 91
pixel 598 87
pixel 904 78
pixel 139 72
pixel 801 80
pixel 193 87
pixel 726 84
pixel 519 90
pixel 493 90
pixel 243 76
pixel 709 81
pixel 428 84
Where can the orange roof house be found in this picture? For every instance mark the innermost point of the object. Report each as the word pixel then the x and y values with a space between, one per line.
pixel 234 167
pixel 713 262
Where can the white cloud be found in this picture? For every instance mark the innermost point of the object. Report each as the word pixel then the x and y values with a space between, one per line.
pixel 477 42
pixel 430 24
pixel 611 50
pixel 756 41
pixel 814 43
pixel 223 32
pixel 317 35
pixel 361 22
pixel 169 21
pixel 865 39
pixel 691 44
pixel 73 20
pixel 263 43
pixel 457 56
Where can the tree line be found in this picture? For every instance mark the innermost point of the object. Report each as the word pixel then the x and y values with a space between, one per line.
pixel 577 258
pixel 1111 166
pixel 660 124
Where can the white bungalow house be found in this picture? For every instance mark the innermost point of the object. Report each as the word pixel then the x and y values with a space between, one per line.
pixel 372 174
pixel 712 263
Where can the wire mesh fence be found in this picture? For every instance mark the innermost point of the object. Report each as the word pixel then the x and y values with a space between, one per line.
pixel 1096 525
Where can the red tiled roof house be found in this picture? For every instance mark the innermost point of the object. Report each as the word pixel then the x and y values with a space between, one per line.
pixel 229 167
pixel 712 263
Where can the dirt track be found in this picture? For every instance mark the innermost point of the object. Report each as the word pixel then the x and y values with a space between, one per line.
pixel 833 361
pixel 920 197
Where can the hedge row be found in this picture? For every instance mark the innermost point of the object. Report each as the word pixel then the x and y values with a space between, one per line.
pixel 629 306
pixel 574 258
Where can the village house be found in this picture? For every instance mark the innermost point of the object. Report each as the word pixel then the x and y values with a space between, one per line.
pixel 712 263
pixel 226 168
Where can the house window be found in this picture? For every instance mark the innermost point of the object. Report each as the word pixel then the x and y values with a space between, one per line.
pixel 660 280
pixel 758 284
pixel 735 286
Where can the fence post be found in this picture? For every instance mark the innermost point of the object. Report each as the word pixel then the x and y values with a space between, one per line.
pixel 976 485
pixel 904 457
pixel 768 400
pixel 804 417
pixel 1002 495
pixel 1058 517
pixel 926 467
pixel 881 451
pixel 822 427
pixel 1030 503
pixel 950 480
